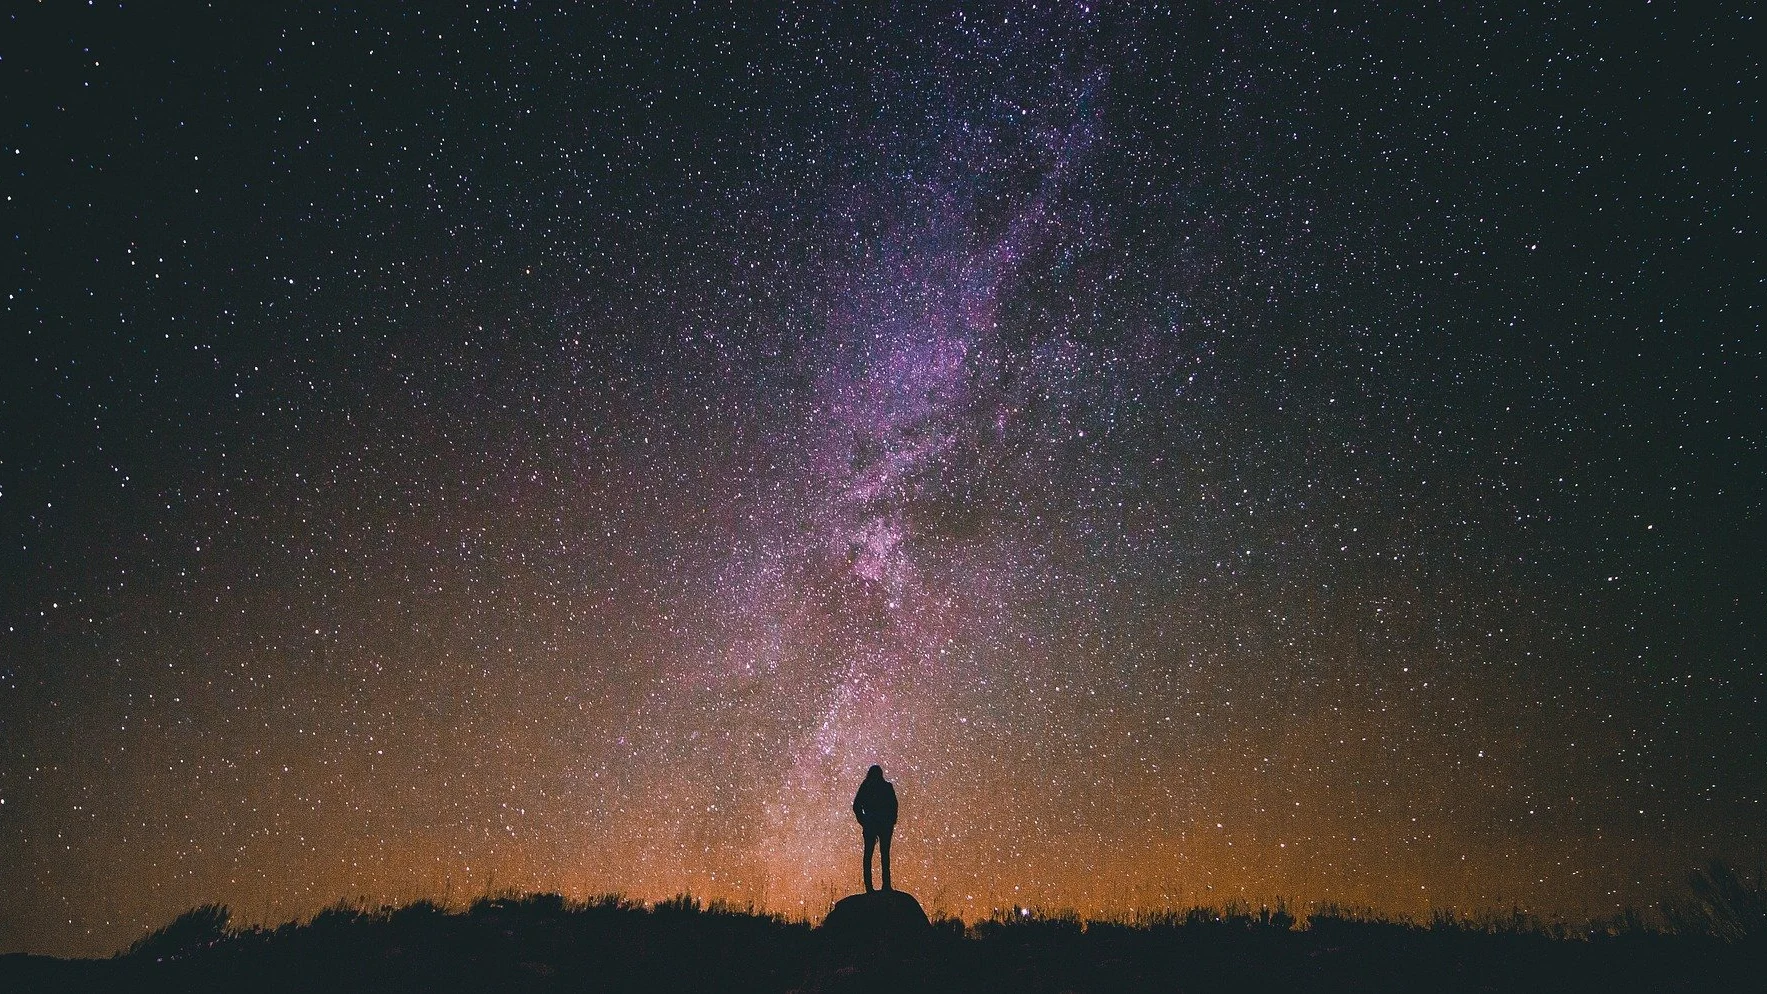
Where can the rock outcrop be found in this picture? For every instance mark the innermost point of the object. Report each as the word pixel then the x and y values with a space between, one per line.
pixel 885 914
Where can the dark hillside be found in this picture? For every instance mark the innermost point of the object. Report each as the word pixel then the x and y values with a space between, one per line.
pixel 543 942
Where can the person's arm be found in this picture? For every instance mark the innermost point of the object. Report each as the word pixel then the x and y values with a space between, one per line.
pixel 859 809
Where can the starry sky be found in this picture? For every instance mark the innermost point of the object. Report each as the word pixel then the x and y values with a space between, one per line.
pixel 1201 453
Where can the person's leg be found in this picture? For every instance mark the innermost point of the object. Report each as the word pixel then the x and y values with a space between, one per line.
pixel 884 854
pixel 870 843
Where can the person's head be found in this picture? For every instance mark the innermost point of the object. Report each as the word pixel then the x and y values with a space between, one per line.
pixel 875 773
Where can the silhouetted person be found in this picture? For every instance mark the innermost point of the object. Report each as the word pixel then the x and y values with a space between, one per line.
pixel 875 807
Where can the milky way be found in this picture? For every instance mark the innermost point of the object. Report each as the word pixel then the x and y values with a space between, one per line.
pixel 1205 455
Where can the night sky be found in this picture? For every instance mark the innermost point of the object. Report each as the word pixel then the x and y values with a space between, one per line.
pixel 1200 454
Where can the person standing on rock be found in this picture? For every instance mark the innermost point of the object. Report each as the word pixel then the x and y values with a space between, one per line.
pixel 875 807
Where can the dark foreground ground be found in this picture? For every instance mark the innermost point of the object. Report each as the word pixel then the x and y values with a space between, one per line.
pixel 544 943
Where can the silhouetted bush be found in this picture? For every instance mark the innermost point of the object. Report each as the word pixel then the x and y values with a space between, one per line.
pixel 194 930
pixel 1723 904
pixel 339 917
pixel 417 914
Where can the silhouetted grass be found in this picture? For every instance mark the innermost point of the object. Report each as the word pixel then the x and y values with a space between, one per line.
pixel 1723 903
pixel 1711 940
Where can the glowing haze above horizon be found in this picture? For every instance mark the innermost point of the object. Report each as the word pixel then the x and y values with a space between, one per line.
pixel 1201 455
